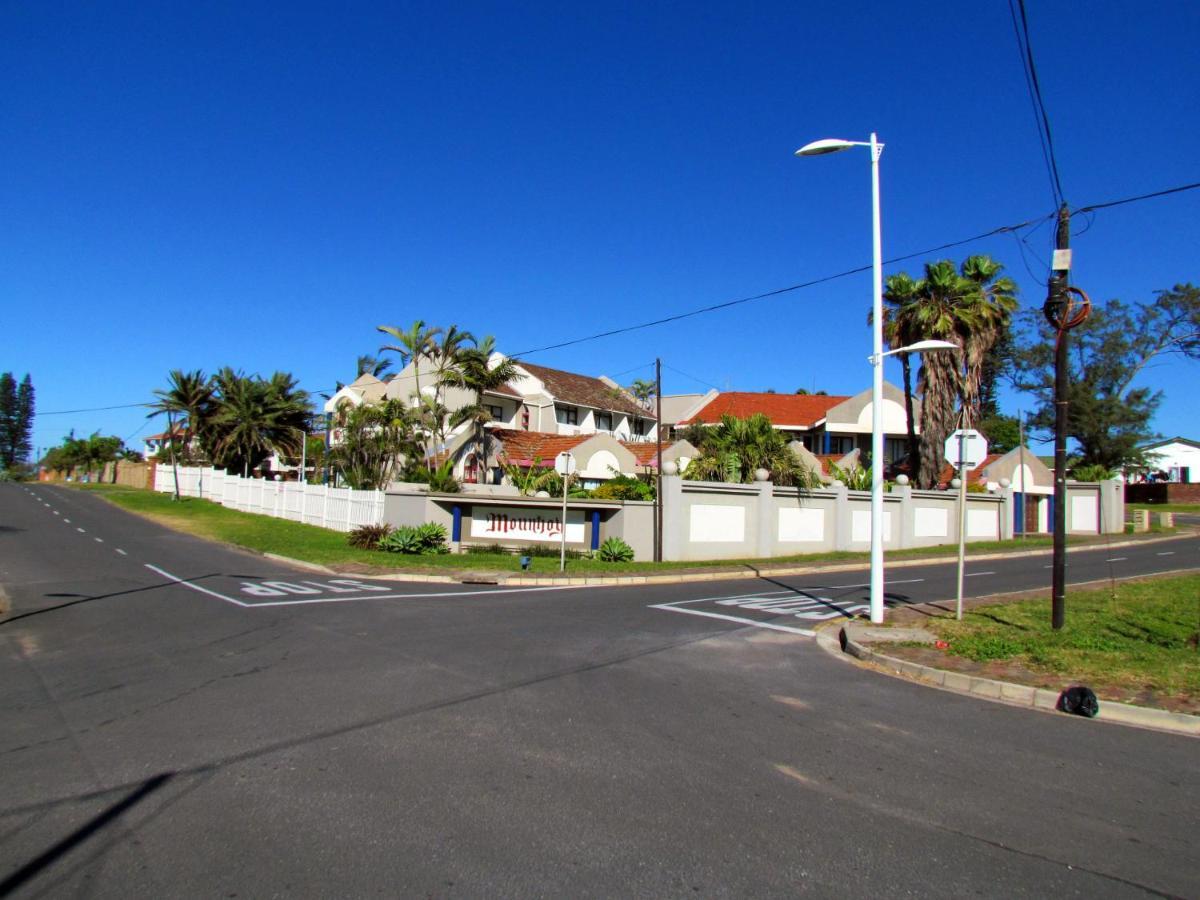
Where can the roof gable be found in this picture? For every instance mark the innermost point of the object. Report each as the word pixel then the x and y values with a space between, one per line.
pixel 585 390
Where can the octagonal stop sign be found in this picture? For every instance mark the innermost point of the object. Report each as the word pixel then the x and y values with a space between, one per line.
pixel 974 447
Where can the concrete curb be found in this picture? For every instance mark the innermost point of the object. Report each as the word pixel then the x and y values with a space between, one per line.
pixel 1006 692
pixel 516 579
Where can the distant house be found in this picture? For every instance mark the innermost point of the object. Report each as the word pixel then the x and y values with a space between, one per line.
pixel 1031 480
pixel 826 425
pixel 1174 460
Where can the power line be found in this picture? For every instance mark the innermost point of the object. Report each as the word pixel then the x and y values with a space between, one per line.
pixel 1012 9
pixel 692 377
pixel 1112 203
pixel 1003 229
pixel 777 292
pixel 68 412
pixel 1035 91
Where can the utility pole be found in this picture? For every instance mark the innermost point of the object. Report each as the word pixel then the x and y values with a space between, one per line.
pixel 658 510
pixel 1057 310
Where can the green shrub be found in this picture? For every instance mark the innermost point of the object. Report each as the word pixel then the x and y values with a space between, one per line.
pixel 548 550
pixel 624 488
pixel 367 537
pixel 615 550
pixel 426 539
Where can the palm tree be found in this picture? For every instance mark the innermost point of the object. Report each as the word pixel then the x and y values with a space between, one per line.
pixel 969 306
pixel 256 417
pixel 375 366
pixel 995 301
pixel 642 391
pixel 190 395
pixel 735 448
pixel 898 331
pixel 475 371
pixel 413 344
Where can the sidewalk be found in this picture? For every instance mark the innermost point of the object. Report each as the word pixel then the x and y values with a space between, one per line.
pixel 711 571
pixel 861 641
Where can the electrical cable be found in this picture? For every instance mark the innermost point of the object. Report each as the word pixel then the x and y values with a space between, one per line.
pixel 1122 202
pixel 692 377
pixel 1003 229
pixel 1026 63
pixel 778 291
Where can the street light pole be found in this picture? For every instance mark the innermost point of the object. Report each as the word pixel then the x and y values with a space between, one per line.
pixel 833 145
pixel 876 392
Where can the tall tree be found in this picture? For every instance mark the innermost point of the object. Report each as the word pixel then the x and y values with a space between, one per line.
pixel 375 366
pixel 191 397
pixel 413 345
pixel 23 445
pixel 375 442
pixel 16 420
pixel 1109 415
pixel 255 418
pixel 969 306
pixel 478 373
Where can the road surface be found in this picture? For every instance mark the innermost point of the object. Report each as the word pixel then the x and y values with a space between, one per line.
pixel 181 719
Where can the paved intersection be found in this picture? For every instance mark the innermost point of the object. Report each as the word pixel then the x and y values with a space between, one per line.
pixel 377 737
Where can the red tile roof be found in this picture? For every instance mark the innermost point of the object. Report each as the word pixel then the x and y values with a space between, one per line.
pixel 645 452
pixel 784 410
pixel 975 476
pixel 523 447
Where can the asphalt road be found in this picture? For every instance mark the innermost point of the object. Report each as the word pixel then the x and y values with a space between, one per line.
pixel 179 719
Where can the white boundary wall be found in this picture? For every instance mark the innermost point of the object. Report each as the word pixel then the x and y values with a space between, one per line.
pixel 340 509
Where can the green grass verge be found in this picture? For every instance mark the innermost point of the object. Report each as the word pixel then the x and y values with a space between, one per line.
pixel 1141 636
pixel 319 545
pixel 1166 507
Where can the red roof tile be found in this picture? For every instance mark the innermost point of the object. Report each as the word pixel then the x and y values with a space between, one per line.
pixel 523 447
pixel 784 410
pixel 646 452
pixel 975 476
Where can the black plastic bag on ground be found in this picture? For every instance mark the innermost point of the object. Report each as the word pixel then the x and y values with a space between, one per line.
pixel 1080 701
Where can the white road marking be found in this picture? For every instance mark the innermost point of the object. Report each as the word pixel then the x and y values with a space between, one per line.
pixel 56 512
pixel 67 521
pixel 81 530
pixel 669 607
pixel 974 574
pixel 98 540
pixel 122 552
pixel 1166 553
pixel 236 602
pixel 1117 559
pixel 194 587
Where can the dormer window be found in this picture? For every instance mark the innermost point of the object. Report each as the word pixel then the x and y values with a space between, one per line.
pixel 496 412
pixel 604 421
pixel 567 415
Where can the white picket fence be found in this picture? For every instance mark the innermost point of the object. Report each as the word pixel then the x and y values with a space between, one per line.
pixel 340 509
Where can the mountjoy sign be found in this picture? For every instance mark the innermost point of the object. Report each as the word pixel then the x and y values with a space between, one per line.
pixel 511 523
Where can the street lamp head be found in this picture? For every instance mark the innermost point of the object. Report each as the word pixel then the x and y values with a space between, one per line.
pixel 921 346
pixel 826 145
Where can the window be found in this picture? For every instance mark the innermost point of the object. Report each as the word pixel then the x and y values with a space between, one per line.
pixel 525 418
pixel 567 415
pixel 603 421
pixel 496 412
pixel 840 444
pixel 895 449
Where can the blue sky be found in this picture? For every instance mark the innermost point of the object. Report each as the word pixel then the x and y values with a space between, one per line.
pixel 256 185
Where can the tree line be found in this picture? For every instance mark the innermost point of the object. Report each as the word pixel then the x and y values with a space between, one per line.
pixel 975 307
pixel 16 421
